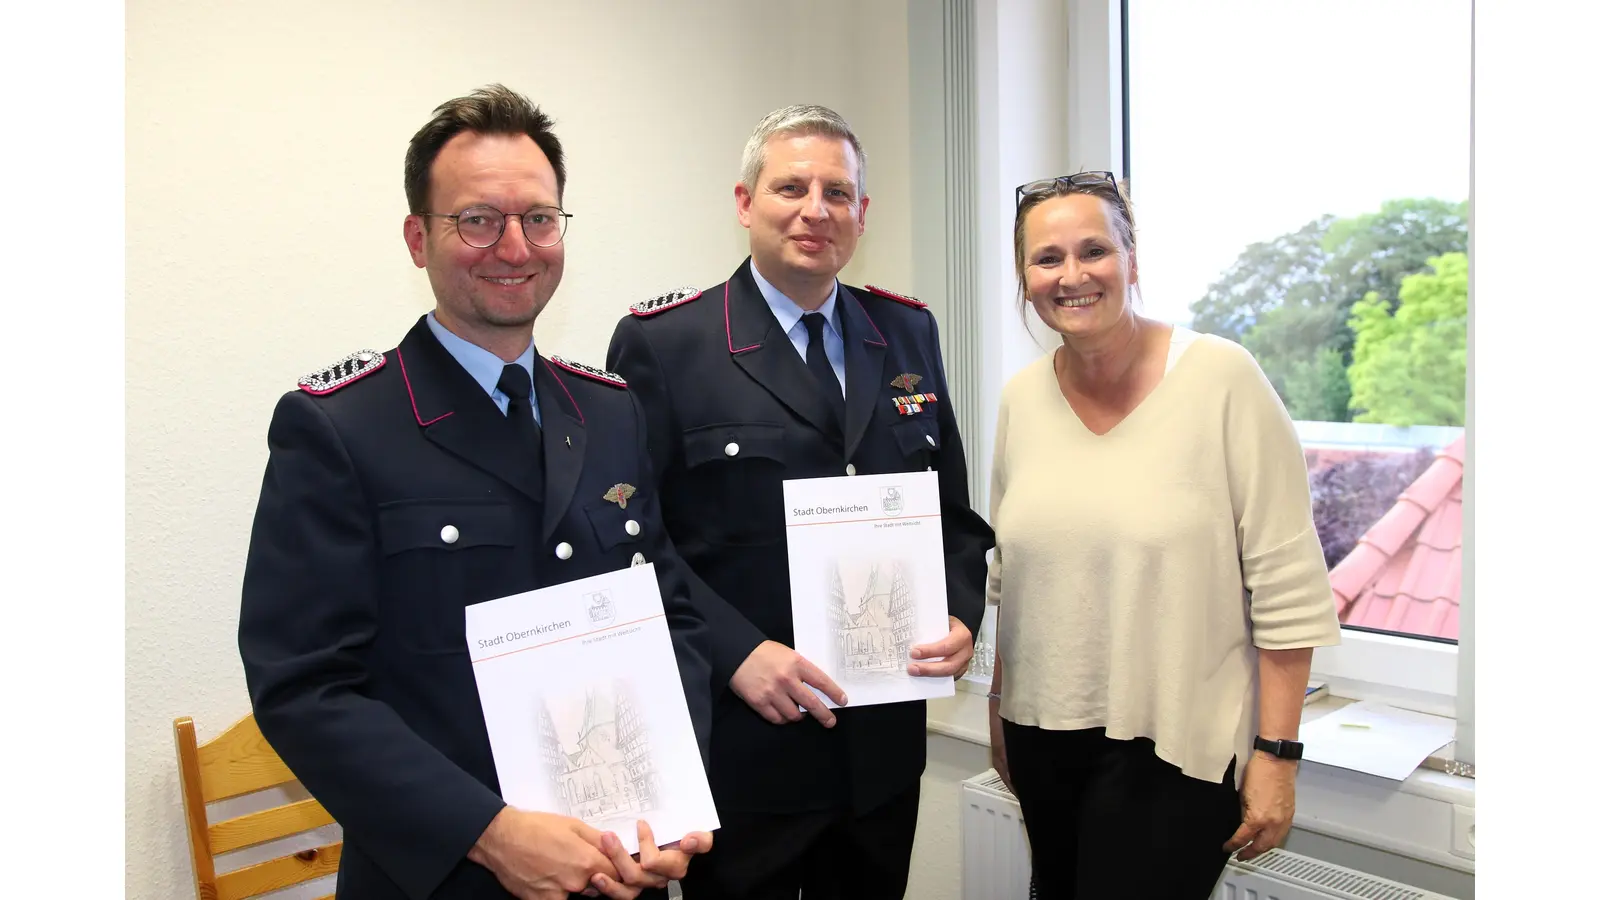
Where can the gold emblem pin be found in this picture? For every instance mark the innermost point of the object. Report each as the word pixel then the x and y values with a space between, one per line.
pixel 620 493
pixel 906 381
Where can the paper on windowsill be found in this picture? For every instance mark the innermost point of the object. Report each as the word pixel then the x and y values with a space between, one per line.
pixel 1376 739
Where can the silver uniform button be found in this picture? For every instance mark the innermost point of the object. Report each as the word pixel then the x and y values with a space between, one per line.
pixel 732 449
pixel 849 468
pixel 449 534
pixel 632 528
pixel 930 439
pixel 563 550
pixel 638 559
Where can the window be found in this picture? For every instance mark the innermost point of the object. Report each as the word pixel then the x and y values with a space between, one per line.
pixel 1300 175
pixel 1293 167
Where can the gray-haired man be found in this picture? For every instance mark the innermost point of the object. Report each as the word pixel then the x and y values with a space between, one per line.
pixel 782 372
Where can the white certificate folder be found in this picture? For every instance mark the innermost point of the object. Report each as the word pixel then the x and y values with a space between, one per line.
pixel 866 578
pixel 585 708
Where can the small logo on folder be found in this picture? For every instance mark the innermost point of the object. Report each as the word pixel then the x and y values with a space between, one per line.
pixel 894 502
pixel 601 609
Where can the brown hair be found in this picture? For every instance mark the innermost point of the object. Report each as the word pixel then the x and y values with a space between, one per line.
pixel 495 109
pixel 1121 217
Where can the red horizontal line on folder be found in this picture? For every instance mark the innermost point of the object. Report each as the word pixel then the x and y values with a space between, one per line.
pixel 570 637
pixel 853 521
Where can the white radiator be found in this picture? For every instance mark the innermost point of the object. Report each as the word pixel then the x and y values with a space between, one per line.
pixel 994 860
pixel 1281 875
pixel 994 846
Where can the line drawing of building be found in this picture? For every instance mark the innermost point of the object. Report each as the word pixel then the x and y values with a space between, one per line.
pixel 872 626
pixel 605 771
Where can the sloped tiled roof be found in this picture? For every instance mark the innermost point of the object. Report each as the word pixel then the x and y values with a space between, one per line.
pixel 1404 574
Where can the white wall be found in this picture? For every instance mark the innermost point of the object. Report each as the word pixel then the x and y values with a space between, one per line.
pixel 1023 115
pixel 264 198
pixel 936 856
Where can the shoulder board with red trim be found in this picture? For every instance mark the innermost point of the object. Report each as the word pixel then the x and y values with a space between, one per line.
pixel 900 298
pixel 662 302
pixel 343 373
pixel 590 372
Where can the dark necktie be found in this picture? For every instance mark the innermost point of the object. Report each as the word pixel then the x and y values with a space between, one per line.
pixel 515 384
pixel 821 369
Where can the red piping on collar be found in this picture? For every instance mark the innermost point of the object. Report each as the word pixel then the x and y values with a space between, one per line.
pixel 576 408
pixel 413 395
pixel 881 341
pixel 729 324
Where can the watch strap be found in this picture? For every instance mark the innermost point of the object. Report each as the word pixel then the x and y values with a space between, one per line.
pixel 1282 749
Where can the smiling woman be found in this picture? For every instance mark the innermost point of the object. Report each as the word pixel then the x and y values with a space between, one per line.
pixel 1076 265
pixel 1131 671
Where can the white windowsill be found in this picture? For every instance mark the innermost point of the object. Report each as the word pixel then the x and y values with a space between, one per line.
pixel 1405 672
pixel 1426 817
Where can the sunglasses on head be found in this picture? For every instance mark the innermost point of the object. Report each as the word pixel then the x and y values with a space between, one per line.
pixel 1082 179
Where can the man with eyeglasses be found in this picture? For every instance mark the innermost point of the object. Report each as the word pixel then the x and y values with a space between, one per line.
pixel 401 487
pixel 783 372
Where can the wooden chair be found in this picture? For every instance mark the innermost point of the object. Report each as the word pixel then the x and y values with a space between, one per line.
pixel 237 762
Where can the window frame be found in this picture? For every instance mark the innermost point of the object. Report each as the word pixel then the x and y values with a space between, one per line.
pixel 1414 673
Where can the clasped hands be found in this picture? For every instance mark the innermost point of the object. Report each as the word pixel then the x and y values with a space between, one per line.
pixel 543 856
pixel 776 681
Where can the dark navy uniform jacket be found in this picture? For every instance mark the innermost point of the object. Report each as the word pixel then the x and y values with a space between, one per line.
pixel 352 629
pixel 732 412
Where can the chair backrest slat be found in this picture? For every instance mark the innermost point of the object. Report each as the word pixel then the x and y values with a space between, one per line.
pixel 268 825
pixel 275 874
pixel 240 761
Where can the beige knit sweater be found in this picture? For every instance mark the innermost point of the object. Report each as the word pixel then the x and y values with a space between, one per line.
pixel 1137 572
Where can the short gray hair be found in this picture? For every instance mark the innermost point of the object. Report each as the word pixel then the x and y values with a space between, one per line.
pixel 799 121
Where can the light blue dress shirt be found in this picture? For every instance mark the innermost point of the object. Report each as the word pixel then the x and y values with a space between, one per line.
pixel 485 367
pixel 789 312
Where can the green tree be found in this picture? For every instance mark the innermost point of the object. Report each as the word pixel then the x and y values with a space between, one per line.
pixel 1296 346
pixel 1289 300
pixel 1409 366
pixel 1263 278
pixel 1375 252
pixel 1318 388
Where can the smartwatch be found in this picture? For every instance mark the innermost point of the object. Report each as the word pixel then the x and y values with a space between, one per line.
pixel 1289 750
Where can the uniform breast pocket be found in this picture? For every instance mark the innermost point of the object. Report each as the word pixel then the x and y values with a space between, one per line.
pixel 615 526
pixel 736 472
pixel 439 556
pixel 919 440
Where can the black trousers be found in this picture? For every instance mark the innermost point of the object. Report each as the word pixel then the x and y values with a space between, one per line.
pixel 1109 818
pixel 830 855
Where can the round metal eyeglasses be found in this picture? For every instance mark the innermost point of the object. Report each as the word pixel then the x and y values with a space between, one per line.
pixel 481 227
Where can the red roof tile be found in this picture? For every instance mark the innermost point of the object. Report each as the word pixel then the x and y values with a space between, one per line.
pixel 1390 534
pixel 1434 484
pixel 1405 573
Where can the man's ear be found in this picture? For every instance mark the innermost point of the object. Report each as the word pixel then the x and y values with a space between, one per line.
pixel 861 217
pixel 416 240
pixel 742 198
